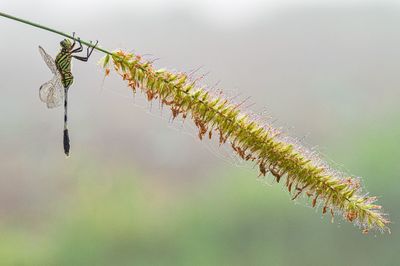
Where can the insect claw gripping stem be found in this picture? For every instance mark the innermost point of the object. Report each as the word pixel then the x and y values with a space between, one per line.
pixel 73 37
pixel 80 48
pixel 89 51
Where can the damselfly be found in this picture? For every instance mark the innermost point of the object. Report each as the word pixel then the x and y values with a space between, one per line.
pixel 55 90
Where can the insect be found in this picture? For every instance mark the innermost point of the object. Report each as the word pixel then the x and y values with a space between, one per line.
pixel 55 90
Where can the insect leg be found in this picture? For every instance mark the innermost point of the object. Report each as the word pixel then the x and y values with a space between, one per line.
pixel 73 37
pixel 79 49
pixel 89 52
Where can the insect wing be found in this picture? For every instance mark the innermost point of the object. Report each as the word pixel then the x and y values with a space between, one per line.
pixel 52 92
pixel 49 60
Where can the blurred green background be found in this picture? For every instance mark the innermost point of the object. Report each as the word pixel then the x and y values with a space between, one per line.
pixel 139 189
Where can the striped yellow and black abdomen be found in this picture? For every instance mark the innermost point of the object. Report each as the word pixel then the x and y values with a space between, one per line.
pixel 67 79
pixel 63 63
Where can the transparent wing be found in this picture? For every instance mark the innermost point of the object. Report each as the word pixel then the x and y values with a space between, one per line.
pixel 49 60
pixel 52 92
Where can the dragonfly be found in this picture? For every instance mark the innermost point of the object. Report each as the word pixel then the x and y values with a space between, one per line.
pixel 55 91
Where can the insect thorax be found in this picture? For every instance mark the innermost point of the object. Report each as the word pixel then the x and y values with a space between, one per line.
pixel 63 64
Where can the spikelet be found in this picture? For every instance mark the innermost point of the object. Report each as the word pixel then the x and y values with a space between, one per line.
pixel 335 192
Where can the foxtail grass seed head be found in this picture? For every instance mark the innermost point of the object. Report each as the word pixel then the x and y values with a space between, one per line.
pixel 301 171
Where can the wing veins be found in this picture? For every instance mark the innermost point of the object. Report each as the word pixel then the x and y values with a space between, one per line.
pixel 52 92
pixel 48 60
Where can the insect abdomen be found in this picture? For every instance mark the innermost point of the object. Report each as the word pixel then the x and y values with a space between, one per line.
pixel 67 79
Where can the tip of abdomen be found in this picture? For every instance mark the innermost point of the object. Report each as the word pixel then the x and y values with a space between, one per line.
pixel 66 142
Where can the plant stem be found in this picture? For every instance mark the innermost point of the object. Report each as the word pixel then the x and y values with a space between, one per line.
pixel 54 31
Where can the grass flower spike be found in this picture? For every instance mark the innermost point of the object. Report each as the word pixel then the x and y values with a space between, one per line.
pixel 274 153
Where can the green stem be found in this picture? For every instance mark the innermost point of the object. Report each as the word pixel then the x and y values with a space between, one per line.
pixel 54 31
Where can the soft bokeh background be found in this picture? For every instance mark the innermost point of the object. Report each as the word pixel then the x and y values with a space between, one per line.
pixel 140 190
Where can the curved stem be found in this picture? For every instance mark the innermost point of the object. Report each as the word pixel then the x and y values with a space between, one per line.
pixel 54 31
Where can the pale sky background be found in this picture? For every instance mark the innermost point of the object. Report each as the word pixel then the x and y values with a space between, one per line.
pixel 226 13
